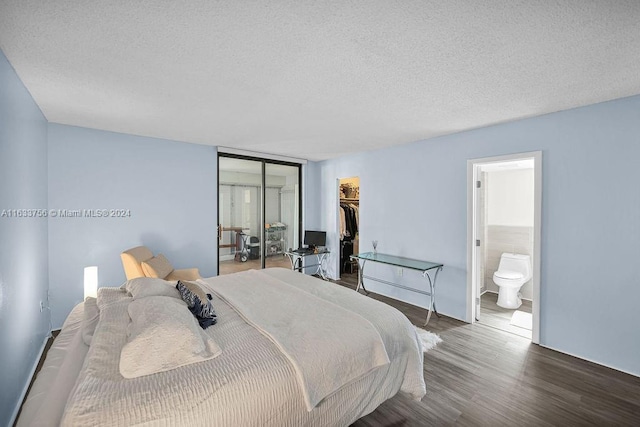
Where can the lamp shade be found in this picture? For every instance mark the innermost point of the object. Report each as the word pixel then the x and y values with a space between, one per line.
pixel 91 281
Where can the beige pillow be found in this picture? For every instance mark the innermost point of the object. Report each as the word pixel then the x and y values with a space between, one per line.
pixel 163 335
pixel 142 287
pixel 158 267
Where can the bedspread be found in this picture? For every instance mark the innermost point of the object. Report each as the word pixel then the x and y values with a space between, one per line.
pixel 252 383
pixel 328 345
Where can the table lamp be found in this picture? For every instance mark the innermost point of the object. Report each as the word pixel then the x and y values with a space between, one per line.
pixel 91 282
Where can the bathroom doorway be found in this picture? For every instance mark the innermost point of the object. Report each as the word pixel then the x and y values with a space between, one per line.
pixel 504 243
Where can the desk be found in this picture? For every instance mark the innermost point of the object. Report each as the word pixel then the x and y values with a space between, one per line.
pixel 321 256
pixel 426 267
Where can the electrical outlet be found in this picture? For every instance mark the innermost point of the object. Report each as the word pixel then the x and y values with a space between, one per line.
pixel 41 306
pixel 399 271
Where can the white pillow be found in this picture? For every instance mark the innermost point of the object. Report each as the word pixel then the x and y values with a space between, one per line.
pixel 163 335
pixel 142 287
pixel 158 266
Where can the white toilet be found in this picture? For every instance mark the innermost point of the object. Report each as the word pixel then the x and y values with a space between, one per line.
pixel 514 271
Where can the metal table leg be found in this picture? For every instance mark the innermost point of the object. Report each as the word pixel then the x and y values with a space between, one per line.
pixel 361 277
pixel 432 292
pixel 296 262
pixel 290 259
pixel 321 268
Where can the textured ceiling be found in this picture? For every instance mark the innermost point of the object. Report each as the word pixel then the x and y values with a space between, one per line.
pixel 317 79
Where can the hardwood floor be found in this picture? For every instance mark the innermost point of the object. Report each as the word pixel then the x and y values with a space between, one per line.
pixel 481 376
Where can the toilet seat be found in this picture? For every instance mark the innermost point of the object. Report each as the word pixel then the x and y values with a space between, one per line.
pixel 509 275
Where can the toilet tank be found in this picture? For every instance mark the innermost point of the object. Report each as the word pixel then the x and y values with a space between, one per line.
pixel 516 262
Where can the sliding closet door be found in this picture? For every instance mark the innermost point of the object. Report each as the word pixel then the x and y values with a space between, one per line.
pixel 258 212
pixel 240 192
pixel 282 213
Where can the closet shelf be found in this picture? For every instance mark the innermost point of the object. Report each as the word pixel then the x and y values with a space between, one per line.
pixel 342 199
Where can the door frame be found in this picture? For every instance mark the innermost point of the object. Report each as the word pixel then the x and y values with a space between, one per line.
pixel 473 168
pixel 264 161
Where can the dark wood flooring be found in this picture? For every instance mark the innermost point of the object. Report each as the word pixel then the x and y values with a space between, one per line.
pixel 481 376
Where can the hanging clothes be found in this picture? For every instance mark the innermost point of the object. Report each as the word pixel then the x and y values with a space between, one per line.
pixel 356 210
pixel 351 223
pixel 354 221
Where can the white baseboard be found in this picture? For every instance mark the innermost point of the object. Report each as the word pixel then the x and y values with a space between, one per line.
pixel 592 361
pixel 23 395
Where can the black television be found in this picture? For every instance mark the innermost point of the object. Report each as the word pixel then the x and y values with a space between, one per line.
pixel 315 239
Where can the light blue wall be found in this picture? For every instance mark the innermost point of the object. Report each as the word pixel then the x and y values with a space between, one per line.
pixel 170 188
pixel 414 201
pixel 23 241
pixel 311 196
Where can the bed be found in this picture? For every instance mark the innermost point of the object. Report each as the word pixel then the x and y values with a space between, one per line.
pixel 336 360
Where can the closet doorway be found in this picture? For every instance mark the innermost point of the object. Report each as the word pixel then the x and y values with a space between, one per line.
pixel 258 212
pixel 348 226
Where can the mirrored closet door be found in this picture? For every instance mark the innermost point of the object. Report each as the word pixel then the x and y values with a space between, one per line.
pixel 258 212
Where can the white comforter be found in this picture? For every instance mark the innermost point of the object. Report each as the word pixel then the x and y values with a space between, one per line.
pixel 309 330
pixel 252 383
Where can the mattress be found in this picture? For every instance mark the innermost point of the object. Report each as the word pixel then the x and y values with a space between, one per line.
pixel 252 383
pixel 48 395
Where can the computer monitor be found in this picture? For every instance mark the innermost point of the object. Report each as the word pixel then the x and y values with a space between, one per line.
pixel 314 239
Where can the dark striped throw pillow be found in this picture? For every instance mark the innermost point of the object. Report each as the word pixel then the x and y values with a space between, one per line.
pixel 198 302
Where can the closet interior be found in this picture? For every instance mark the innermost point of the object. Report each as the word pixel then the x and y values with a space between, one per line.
pixel 349 211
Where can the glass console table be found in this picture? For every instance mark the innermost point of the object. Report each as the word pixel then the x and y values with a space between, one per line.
pixel 296 257
pixel 426 267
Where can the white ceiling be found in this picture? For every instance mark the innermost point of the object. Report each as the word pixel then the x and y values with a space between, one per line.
pixel 317 79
